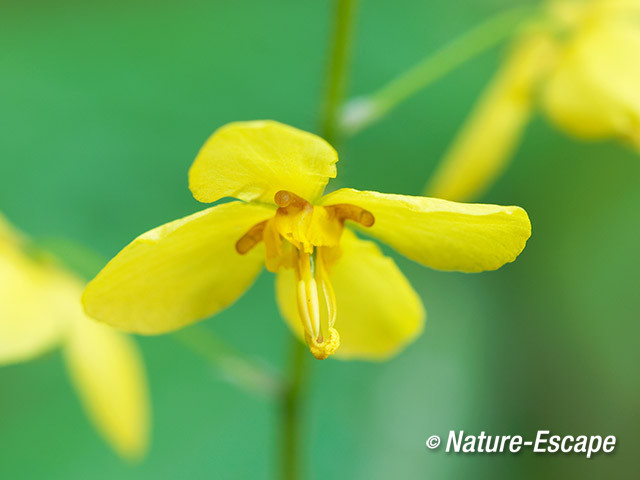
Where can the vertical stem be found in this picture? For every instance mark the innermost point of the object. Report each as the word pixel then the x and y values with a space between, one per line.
pixel 336 84
pixel 335 87
pixel 291 438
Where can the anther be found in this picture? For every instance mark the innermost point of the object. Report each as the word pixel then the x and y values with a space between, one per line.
pixel 282 198
pixel 285 198
pixel 251 238
pixel 366 218
pixel 346 211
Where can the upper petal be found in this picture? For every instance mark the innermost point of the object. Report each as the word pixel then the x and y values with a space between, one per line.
pixel 178 273
pixel 490 135
pixel 378 312
pixel 254 160
pixel 107 371
pixel 441 234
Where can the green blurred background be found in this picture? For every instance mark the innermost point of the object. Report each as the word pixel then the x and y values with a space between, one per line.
pixel 104 106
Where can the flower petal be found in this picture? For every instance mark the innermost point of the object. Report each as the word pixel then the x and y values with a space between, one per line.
pixel 35 298
pixel 254 160
pixel 378 312
pixel 594 91
pixel 490 135
pixel 178 273
pixel 8 234
pixel 108 374
pixel 441 234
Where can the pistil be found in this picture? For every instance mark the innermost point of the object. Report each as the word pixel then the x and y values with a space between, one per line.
pixel 310 274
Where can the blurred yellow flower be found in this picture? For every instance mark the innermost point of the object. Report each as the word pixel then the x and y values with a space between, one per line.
pixel 39 309
pixel 328 279
pixel 580 66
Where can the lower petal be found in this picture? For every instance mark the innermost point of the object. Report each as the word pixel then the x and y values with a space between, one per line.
pixel 378 312
pixel 108 374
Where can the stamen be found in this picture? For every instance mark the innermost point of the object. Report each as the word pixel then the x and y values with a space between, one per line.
pixel 303 307
pixel 308 304
pixel 327 289
pixel 314 307
pixel 320 345
pixel 331 344
pixel 346 211
pixel 285 198
pixel 251 238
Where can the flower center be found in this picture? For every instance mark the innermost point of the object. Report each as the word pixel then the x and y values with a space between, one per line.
pixel 306 238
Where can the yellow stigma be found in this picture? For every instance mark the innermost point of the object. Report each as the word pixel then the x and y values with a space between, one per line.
pixel 306 238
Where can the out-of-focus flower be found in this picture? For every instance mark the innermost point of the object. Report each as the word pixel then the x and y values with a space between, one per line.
pixel 328 279
pixel 40 309
pixel 580 66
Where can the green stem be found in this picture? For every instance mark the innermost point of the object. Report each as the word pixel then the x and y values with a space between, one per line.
pixel 364 111
pixel 290 410
pixel 336 83
pixel 335 87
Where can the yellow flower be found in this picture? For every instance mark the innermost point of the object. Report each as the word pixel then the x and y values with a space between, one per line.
pixel 328 280
pixel 40 309
pixel 580 67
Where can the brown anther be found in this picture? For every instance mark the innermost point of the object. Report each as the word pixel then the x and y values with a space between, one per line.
pixel 284 199
pixel 251 238
pixel 346 211
pixel 366 218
